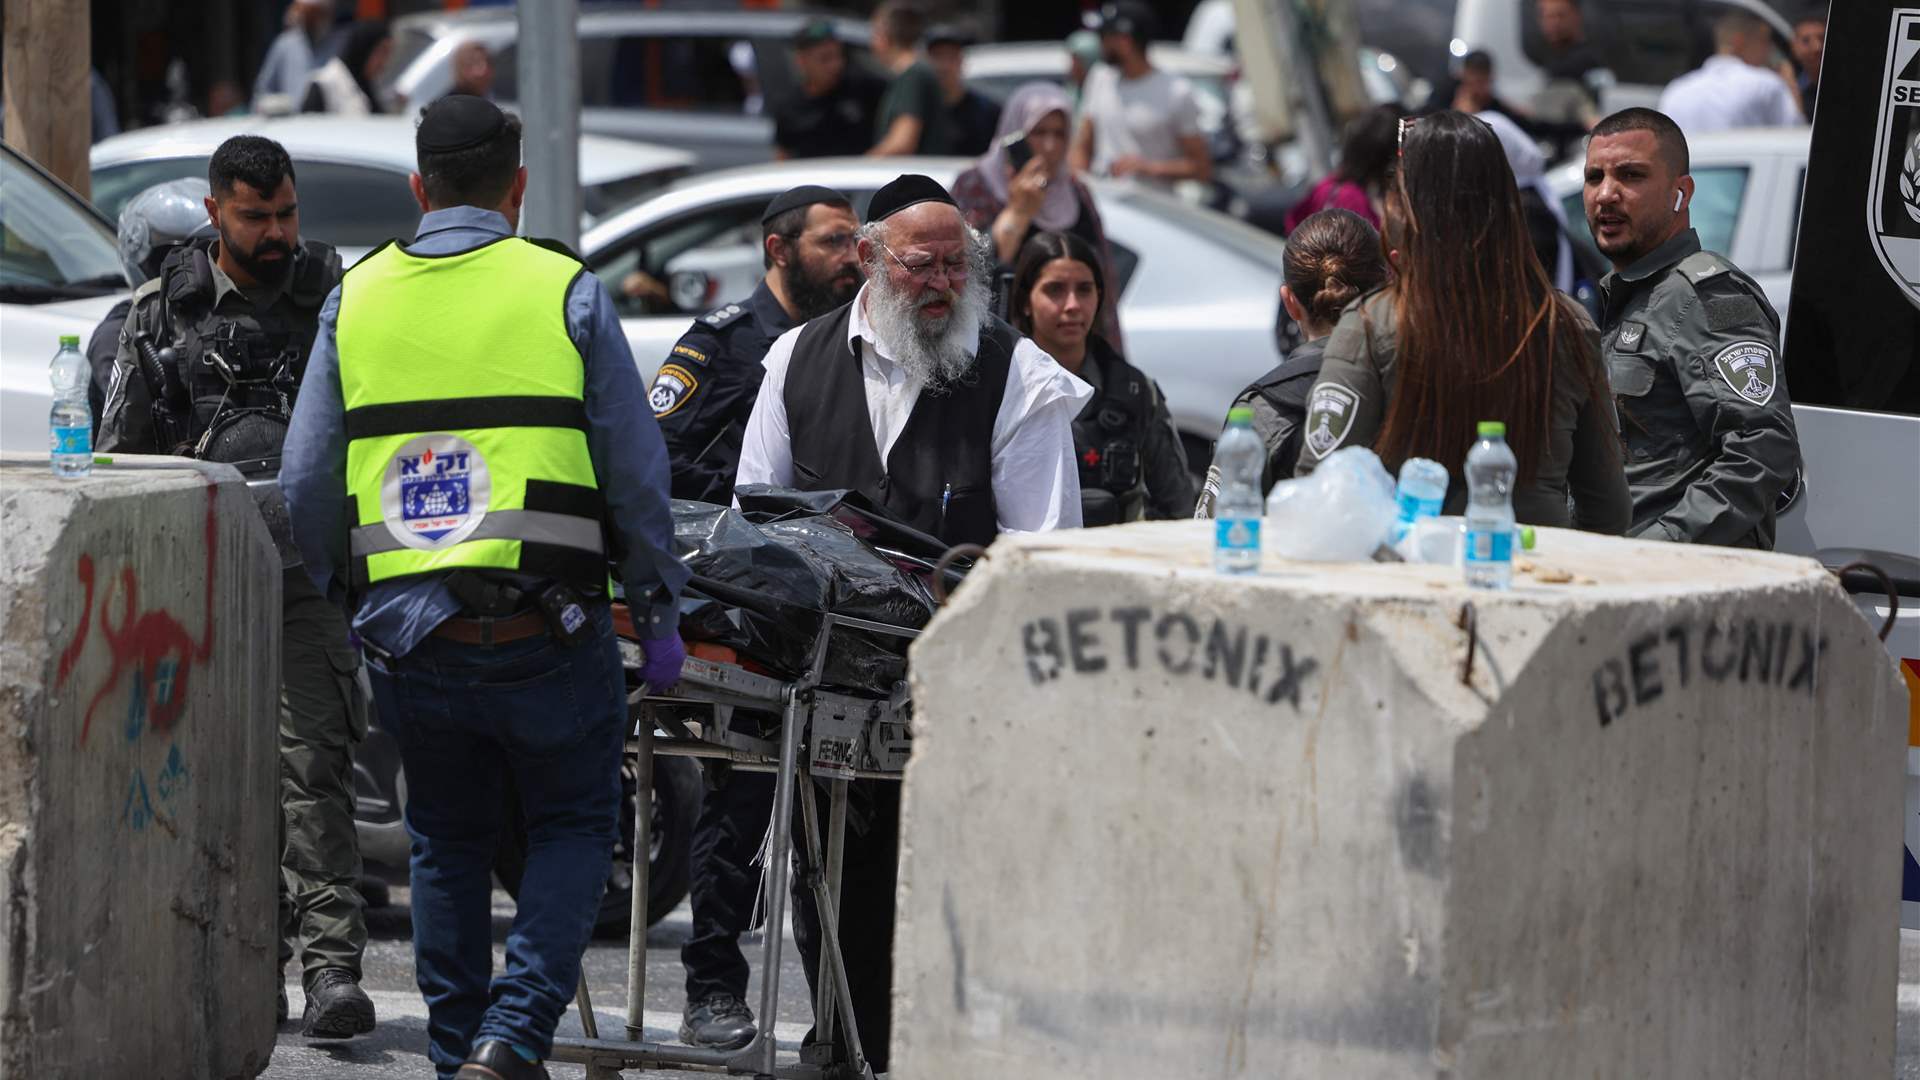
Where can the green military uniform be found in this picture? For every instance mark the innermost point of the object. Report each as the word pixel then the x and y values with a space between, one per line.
pixel 196 309
pixel 1692 351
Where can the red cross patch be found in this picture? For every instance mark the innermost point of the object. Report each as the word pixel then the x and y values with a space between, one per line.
pixel 1091 457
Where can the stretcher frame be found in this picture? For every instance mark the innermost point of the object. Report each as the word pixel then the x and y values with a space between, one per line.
pixel 844 738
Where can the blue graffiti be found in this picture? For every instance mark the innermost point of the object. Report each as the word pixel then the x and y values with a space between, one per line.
pixel 138 812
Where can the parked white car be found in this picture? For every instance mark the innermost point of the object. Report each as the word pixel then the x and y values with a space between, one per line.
pixel 59 274
pixel 1199 292
pixel 352 171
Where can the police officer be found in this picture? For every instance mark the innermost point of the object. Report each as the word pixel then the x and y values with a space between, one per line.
pixel 207 365
pixel 469 454
pixel 704 390
pixel 1132 464
pixel 1692 349
pixel 150 225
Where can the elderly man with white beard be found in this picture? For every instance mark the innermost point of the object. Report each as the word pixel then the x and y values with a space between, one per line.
pixel 971 431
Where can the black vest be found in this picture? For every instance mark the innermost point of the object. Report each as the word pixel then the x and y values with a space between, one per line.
pixel 939 476
pixel 1109 436
pixel 239 372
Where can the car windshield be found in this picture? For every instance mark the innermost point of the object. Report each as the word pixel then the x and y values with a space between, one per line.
pixel 51 248
pixel 408 43
pixel 343 205
pixel 1718 193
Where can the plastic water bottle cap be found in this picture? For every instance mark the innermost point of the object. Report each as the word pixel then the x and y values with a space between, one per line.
pixel 1526 538
pixel 69 340
pixel 1493 429
pixel 1240 414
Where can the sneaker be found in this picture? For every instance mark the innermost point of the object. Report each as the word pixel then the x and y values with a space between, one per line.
pixel 721 1021
pixel 336 1006
pixel 495 1060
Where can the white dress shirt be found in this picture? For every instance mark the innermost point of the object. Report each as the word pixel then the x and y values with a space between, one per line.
pixel 1036 478
pixel 1725 93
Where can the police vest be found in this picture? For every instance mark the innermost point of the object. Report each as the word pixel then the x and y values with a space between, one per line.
pixel 466 420
pixel 239 371
pixel 939 476
pixel 1109 437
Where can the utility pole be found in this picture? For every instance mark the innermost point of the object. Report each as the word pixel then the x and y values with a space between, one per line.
pixel 549 60
pixel 49 112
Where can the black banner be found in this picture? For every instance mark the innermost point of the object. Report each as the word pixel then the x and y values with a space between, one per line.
pixel 1853 325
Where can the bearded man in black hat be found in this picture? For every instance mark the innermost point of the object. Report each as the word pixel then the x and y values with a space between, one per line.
pixel 971 435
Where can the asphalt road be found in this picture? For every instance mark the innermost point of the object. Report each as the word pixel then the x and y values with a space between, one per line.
pixel 399 1047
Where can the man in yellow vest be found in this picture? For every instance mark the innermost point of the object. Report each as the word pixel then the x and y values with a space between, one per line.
pixel 470 451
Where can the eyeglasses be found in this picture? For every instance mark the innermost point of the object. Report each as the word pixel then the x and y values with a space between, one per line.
pixel 922 272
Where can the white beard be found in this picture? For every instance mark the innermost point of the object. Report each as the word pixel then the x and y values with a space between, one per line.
pixel 934 352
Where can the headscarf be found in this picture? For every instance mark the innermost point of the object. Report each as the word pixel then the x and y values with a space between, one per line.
pixel 1028 105
pixel 1529 171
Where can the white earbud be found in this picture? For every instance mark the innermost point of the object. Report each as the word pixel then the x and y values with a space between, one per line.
pixel 1677 197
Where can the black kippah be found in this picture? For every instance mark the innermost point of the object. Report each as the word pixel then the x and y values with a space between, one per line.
pixel 804 195
pixel 911 189
pixel 458 122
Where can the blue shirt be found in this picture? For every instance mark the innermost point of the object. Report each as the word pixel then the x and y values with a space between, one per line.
pixel 629 461
pixel 289 61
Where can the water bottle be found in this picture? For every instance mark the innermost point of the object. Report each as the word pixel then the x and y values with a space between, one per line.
pixel 1490 526
pixel 1423 487
pixel 70 425
pixel 1240 457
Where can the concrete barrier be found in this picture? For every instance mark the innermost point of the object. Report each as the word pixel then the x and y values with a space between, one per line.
pixel 138 773
pixel 1163 823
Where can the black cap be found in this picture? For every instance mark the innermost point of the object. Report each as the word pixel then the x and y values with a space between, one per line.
pixel 949 34
pixel 804 195
pixel 910 189
pixel 1130 17
pixel 458 122
pixel 814 32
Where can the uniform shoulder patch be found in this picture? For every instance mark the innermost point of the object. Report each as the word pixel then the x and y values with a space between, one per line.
pixel 1749 369
pixel 1632 335
pixel 721 318
pixel 687 351
pixel 1737 310
pixel 673 386
pixel 1330 414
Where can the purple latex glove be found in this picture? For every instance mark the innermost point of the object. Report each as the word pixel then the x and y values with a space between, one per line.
pixel 662 667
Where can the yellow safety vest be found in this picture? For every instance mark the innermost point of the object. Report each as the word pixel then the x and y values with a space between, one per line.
pixel 466 419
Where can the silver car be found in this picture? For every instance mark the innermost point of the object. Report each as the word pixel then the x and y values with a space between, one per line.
pixel 1199 292
pixel 353 171
pixel 697 78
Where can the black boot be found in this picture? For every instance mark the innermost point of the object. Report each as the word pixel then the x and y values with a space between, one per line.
pixel 336 1006
pixel 495 1060
pixel 719 1021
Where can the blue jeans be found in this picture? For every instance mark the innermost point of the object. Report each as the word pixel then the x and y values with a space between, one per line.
pixel 468 717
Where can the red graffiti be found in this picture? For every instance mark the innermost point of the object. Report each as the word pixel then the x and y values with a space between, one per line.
pixel 145 641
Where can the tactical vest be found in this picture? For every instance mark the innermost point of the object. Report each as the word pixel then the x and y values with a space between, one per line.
pixel 466 419
pixel 239 370
pixel 1109 438
pixel 938 478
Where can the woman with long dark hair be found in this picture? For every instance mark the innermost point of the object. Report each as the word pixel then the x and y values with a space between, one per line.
pixel 1131 462
pixel 1471 329
pixel 1332 259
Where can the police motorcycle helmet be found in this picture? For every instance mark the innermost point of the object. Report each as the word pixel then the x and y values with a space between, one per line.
pixel 156 219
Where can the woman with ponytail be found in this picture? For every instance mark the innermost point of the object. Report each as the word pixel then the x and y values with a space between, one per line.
pixel 1332 259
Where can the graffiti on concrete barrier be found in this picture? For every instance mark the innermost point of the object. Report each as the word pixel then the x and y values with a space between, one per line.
pixel 1087 641
pixel 1754 652
pixel 150 650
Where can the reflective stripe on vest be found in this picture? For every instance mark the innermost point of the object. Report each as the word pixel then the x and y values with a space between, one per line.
pixel 465 417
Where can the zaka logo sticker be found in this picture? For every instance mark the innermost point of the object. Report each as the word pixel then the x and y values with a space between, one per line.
pixel 1893 196
pixel 436 491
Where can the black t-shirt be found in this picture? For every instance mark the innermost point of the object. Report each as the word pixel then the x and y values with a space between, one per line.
pixel 835 124
pixel 973 120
